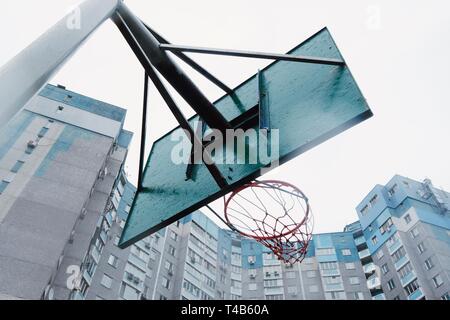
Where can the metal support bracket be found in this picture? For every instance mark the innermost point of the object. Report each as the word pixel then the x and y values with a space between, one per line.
pixel 264 111
pixel 252 54
pixel 143 134
pixel 194 65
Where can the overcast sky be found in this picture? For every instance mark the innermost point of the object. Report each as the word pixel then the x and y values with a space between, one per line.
pixel 398 51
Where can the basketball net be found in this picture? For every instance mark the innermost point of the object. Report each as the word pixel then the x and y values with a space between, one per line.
pixel 276 214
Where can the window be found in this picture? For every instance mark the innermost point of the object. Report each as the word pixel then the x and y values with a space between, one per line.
pixel 374 240
pixel 407 218
pixel 445 296
pixel 400 253
pixel 335 295
pixel 313 289
pixel 325 251
pixel 374 200
pixel 405 270
pixel 346 252
pixel 328 266
pixel 139 253
pixel 165 283
pixel 17 166
pixel 332 280
pixel 364 210
pixel 106 281
pixel 162 297
pixel 310 274
pixel 421 247
pixel 236 269
pixel 358 296
pixel 171 250
pixel 380 254
pixel 412 287
pixel 113 261
pixel 385 268
pixel 414 233
pixel 386 227
pixel 236 284
pixel 122 224
pixel 252 286
pixel 128 293
pixel 168 266
pixel 252 273
pixel 3 186
pixel 429 263
pixel 43 131
pixel 354 280
pixel 350 266
pixel 391 284
pixel 116 240
pixel 173 235
pixel 437 281
pixel 251 259
pixel 393 190
pixel 210 282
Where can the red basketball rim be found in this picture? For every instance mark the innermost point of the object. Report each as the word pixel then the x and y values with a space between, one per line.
pixel 258 184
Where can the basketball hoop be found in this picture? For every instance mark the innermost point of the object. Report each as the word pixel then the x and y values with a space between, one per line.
pixel 276 214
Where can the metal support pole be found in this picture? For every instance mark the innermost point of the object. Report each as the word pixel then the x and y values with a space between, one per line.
pixel 143 133
pixel 171 72
pixel 29 71
pixel 194 65
pixel 184 124
pixel 252 54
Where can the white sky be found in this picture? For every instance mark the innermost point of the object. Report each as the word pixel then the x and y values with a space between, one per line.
pixel 398 51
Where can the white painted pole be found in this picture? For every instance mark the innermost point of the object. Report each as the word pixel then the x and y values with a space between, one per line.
pixel 28 72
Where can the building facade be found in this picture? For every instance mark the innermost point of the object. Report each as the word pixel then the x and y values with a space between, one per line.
pixel 406 225
pixel 60 158
pixel 194 259
pixel 399 249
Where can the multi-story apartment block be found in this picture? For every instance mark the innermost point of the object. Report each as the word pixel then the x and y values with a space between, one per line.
pixel 406 225
pixel 196 259
pixel 59 160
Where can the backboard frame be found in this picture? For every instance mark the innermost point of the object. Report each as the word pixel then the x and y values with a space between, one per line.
pixel 127 240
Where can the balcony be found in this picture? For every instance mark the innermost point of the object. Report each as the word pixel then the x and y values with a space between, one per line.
pixel 369 268
pixel 137 262
pixel 416 295
pixel 364 254
pixel 103 236
pixel 360 240
pixel 373 282
pixel 87 277
pixel 408 278
pixel 400 263
pixel 395 246
pixel 95 254
pixel 380 296
pixel 332 272
pixel 333 287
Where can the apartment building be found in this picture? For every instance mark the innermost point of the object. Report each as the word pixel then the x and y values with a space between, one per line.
pixel 60 158
pixel 406 225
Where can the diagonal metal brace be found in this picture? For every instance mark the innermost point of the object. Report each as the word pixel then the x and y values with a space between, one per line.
pixel 252 54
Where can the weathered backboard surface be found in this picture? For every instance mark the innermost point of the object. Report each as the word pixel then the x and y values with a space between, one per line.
pixel 308 103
